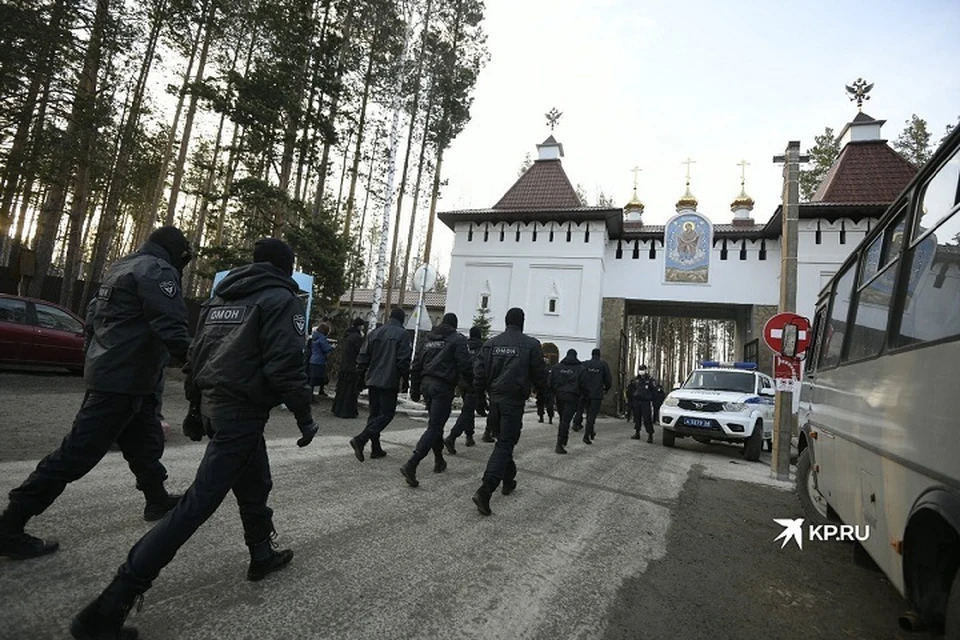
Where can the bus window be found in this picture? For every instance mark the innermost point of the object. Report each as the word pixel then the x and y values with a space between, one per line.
pixel 814 350
pixel 869 332
pixel 931 310
pixel 941 196
pixel 836 327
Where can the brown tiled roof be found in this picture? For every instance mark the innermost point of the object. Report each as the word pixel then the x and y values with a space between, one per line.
pixel 364 297
pixel 865 172
pixel 543 186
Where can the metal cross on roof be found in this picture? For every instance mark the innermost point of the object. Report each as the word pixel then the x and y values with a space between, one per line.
pixel 553 116
pixel 688 162
pixel 743 164
pixel 858 91
pixel 636 170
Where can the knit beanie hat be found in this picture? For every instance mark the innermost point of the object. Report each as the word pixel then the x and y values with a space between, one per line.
pixel 172 240
pixel 276 252
pixel 515 317
pixel 450 319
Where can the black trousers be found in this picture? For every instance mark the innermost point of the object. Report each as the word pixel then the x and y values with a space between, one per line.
pixel 439 399
pixel 507 421
pixel 566 406
pixel 345 402
pixel 383 406
pixel 235 460
pixel 643 415
pixel 104 418
pixel 467 420
pixel 578 413
pixel 593 410
pixel 545 405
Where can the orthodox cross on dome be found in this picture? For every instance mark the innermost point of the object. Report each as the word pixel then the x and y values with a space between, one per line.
pixel 553 117
pixel 688 162
pixel 858 91
pixel 743 164
pixel 636 170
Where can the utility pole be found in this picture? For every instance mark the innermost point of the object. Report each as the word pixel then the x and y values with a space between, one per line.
pixel 783 416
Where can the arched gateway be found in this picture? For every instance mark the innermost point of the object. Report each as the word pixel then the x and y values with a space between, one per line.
pixel 579 271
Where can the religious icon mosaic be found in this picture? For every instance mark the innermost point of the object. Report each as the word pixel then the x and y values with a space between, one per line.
pixel 687 240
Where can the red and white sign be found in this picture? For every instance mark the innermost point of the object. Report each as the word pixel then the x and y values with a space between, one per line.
pixel 773 331
pixel 786 373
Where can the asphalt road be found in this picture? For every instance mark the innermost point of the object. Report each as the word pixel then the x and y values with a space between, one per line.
pixel 622 539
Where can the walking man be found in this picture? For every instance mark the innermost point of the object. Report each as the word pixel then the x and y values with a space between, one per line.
pixel 247 358
pixel 508 366
pixel 595 381
pixel 442 361
pixel 646 392
pixel 320 349
pixel 345 402
pixel 139 315
pixel 384 359
pixel 565 384
pixel 466 421
pixel 545 400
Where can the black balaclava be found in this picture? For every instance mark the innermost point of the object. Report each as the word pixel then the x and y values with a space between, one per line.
pixel 595 353
pixel 359 322
pixel 571 353
pixel 475 333
pixel 175 243
pixel 450 319
pixel 398 314
pixel 515 317
pixel 276 252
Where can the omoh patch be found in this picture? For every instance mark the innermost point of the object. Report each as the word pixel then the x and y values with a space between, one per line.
pixel 169 288
pixel 299 323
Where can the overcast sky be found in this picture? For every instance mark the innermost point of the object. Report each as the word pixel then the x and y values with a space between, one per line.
pixel 650 83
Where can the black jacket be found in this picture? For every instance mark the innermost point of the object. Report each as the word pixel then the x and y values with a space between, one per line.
pixel 444 357
pixel 645 389
pixel 350 350
pixel 466 382
pixel 137 317
pixel 247 356
pixel 595 379
pixel 565 376
pixel 385 356
pixel 508 366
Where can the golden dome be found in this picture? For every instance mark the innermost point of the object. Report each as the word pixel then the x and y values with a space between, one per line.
pixel 742 201
pixel 687 200
pixel 634 203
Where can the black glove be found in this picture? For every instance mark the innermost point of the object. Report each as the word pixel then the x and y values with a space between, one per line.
pixel 482 405
pixel 415 395
pixel 193 424
pixel 308 430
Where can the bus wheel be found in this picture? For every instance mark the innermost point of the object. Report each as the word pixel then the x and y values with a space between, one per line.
pixel 754 443
pixel 953 610
pixel 814 505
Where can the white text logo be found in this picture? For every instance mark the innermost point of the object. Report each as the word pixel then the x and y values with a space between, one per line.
pixel 793 530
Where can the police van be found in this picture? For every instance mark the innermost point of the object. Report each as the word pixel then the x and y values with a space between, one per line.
pixel 728 402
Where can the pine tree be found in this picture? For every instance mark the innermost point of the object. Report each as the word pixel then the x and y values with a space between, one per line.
pixel 482 320
pixel 914 141
pixel 823 153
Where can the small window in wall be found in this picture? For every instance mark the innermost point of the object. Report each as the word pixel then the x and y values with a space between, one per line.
pixel 723 250
pixel 552 306
pixel 501 232
pixel 743 249
pixel 552 301
pixel 470 233
pixel 484 300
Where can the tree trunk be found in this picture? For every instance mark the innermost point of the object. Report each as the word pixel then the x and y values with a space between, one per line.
pixel 81 121
pixel 434 194
pixel 191 112
pixel 355 167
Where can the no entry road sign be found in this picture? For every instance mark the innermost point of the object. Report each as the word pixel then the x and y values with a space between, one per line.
pixel 774 331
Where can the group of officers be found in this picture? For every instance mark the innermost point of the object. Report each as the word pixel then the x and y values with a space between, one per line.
pixel 246 358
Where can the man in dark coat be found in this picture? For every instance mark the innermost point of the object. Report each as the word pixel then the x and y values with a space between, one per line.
pixel 545 400
pixel 508 367
pixel 647 394
pixel 247 357
pixel 138 318
pixel 384 359
pixel 565 384
pixel 466 421
pixel 345 402
pixel 595 381
pixel 441 363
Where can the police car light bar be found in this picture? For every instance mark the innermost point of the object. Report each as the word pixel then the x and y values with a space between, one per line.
pixel 708 364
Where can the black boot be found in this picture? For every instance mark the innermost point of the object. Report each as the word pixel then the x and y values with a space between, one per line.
pixel 449 444
pixel 508 486
pixel 650 437
pixel 357 446
pixel 541 419
pixel 487 436
pixel 482 499
pixel 376 450
pixel 158 503
pixel 103 618
pixel 636 435
pixel 469 441
pixel 16 544
pixel 264 559
pixel 409 473
pixel 440 465
pixel 586 440
pixel 560 449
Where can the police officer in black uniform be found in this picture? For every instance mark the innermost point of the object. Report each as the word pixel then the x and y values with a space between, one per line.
pixel 139 315
pixel 545 400
pixel 384 359
pixel 565 384
pixel 508 366
pixel 442 361
pixel 345 402
pixel 466 421
pixel 247 358
pixel 595 381
pixel 646 393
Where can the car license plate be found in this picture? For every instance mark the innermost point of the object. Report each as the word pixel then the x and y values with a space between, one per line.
pixel 696 422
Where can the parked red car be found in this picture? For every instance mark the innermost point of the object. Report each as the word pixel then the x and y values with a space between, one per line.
pixel 37 332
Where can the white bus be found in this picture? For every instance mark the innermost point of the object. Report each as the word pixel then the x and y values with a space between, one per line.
pixel 879 406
